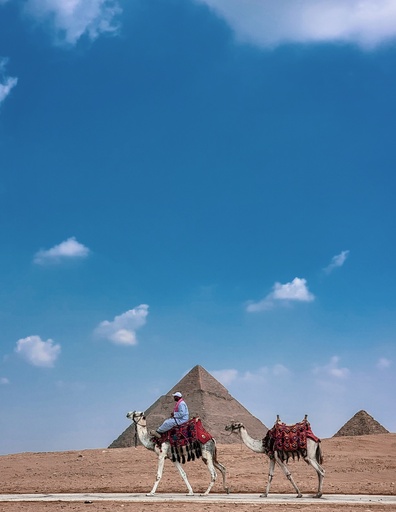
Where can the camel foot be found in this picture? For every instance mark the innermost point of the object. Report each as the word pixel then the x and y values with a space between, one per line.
pixel 264 495
pixel 150 494
pixel 299 495
pixel 319 495
pixel 227 490
pixel 190 494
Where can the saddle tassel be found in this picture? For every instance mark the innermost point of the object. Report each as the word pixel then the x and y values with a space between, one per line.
pixel 173 454
pixel 183 458
pixel 197 447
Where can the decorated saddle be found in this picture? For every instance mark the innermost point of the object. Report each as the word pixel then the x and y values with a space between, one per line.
pixel 288 440
pixel 189 436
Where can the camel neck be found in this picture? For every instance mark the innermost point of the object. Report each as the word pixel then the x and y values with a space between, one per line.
pixel 254 444
pixel 144 437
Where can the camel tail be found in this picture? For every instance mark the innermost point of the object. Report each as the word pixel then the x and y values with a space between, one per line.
pixel 319 455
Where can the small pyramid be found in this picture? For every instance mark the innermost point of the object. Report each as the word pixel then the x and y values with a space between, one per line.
pixel 361 424
pixel 206 398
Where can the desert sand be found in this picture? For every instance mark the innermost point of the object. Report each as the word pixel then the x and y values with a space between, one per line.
pixel 354 465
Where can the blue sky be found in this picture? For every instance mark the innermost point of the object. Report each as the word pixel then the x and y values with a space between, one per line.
pixel 192 182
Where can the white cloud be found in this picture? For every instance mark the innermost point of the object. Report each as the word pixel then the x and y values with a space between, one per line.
pixel 383 363
pixel 264 391
pixel 122 330
pixel 296 291
pixel 71 19
pixel 270 23
pixel 38 352
pixel 67 250
pixel 337 261
pixel 251 378
pixel 279 370
pixel 7 83
pixel 4 381
pixel 332 369
pixel 226 377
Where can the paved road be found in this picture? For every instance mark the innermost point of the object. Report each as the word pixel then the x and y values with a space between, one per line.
pixel 212 498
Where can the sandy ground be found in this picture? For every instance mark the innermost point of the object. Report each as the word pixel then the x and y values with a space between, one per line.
pixel 354 465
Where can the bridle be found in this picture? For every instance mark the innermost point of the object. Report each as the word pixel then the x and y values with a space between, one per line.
pixel 234 427
pixel 136 422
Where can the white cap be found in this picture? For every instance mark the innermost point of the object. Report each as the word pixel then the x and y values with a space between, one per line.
pixel 178 394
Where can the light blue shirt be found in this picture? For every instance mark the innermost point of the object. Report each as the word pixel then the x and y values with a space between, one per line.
pixel 181 415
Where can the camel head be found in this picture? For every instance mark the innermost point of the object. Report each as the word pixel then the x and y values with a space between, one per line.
pixel 235 426
pixel 137 417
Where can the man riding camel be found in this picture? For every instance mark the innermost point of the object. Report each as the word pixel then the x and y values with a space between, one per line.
pixel 179 416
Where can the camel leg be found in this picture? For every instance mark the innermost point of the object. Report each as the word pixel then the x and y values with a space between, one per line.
pixel 160 470
pixel 208 460
pixel 288 475
pixel 184 476
pixel 270 476
pixel 220 467
pixel 320 472
pixel 223 472
pixel 312 458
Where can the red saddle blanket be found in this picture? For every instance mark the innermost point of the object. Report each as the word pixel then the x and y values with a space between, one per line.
pixel 186 434
pixel 289 439
pixel 190 435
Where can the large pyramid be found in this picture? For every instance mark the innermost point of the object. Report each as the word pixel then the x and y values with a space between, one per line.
pixel 206 398
pixel 361 424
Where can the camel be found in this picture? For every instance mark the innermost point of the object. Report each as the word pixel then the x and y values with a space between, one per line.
pixel 311 455
pixel 209 455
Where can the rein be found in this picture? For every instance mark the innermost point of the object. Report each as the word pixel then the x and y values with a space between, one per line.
pixel 237 428
pixel 135 437
pixel 137 422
